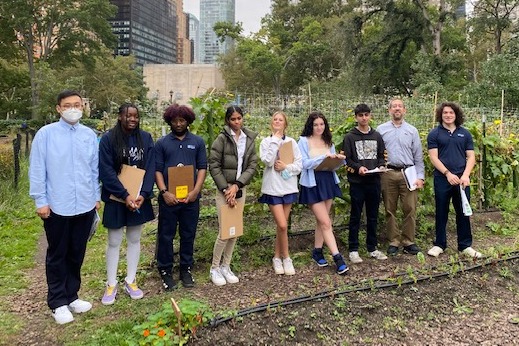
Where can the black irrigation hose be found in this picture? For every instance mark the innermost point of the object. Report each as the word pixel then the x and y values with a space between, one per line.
pixel 361 286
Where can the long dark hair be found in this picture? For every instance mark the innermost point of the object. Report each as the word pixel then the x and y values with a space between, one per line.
pixel 308 130
pixel 119 140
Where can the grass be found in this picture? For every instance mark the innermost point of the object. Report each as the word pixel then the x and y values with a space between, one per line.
pixel 19 233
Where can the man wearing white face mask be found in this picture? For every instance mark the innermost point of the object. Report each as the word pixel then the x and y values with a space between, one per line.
pixel 64 184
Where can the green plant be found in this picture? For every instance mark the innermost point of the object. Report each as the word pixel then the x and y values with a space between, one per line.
pixel 162 327
pixel 459 308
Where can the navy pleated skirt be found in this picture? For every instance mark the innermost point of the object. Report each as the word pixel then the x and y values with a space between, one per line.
pixel 325 189
pixel 272 200
pixel 116 215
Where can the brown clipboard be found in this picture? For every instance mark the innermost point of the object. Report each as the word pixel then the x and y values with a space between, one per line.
pixel 231 221
pixel 181 180
pixel 286 153
pixel 131 177
pixel 330 164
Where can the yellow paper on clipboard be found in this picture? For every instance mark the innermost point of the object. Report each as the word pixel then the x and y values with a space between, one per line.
pixel 181 180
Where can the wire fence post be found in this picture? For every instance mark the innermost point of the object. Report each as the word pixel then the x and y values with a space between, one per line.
pixel 16 151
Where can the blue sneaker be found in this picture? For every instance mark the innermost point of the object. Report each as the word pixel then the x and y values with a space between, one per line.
pixel 318 257
pixel 342 267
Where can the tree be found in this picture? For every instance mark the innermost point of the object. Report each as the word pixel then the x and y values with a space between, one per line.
pixel 494 17
pixel 14 79
pixel 56 32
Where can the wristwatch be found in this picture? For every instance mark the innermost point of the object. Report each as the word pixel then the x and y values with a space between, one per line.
pixel 163 191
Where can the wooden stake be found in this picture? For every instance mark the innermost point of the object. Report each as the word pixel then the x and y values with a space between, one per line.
pixel 178 313
pixel 434 109
pixel 502 112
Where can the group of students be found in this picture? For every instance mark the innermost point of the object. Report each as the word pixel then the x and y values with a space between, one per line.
pixel 65 168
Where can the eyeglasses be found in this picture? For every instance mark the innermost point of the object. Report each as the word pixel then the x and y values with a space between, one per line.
pixel 67 106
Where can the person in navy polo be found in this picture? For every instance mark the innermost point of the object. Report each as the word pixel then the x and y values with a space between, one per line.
pixel 451 150
pixel 180 147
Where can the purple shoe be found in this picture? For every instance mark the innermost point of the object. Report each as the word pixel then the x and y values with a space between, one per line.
pixel 109 296
pixel 133 291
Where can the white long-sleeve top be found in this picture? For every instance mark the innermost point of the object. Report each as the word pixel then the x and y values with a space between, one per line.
pixel 273 183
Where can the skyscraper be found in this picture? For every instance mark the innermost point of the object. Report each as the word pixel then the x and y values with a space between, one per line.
pixel 194 37
pixel 211 12
pixel 146 29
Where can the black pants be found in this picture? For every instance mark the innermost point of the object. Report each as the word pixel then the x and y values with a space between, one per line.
pixel 369 195
pixel 185 216
pixel 67 237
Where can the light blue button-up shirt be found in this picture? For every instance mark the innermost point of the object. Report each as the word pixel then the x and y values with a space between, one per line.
pixel 63 171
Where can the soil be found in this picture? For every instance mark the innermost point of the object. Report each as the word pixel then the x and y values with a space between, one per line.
pixel 472 307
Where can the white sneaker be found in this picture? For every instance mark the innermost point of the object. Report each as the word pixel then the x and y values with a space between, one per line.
pixel 435 251
pixel 62 315
pixel 354 257
pixel 216 277
pixel 378 255
pixel 470 252
pixel 229 275
pixel 79 306
pixel 288 267
pixel 278 266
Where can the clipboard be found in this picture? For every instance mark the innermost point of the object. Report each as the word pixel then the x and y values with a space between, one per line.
pixel 181 180
pixel 131 177
pixel 410 177
pixel 286 152
pixel 231 221
pixel 330 164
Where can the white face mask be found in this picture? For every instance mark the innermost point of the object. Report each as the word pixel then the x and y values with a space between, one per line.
pixel 72 115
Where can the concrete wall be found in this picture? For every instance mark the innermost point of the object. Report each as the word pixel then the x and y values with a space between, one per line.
pixel 185 81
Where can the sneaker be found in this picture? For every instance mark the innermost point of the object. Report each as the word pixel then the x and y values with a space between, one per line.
pixel 216 277
pixel 186 278
pixel 109 296
pixel 288 267
pixel 342 267
pixel 435 251
pixel 392 250
pixel 354 257
pixel 229 275
pixel 62 315
pixel 133 291
pixel 378 255
pixel 470 252
pixel 79 306
pixel 412 249
pixel 318 257
pixel 167 280
pixel 278 266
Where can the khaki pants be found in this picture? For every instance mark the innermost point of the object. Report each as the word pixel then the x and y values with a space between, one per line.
pixel 224 247
pixel 394 188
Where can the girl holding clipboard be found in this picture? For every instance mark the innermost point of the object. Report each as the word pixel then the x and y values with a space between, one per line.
pixel 125 144
pixel 283 163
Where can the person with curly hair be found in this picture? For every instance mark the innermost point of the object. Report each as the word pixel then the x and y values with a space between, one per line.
pixel 179 148
pixel 451 150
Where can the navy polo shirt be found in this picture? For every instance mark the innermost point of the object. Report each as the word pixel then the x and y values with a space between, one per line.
pixel 452 147
pixel 171 151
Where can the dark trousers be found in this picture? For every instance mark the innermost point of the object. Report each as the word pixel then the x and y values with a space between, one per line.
pixel 368 194
pixel 186 217
pixel 67 238
pixel 443 192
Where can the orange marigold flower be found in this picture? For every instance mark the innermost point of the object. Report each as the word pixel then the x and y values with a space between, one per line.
pixel 161 333
pixel 146 333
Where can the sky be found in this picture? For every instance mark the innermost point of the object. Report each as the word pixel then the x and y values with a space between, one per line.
pixel 249 12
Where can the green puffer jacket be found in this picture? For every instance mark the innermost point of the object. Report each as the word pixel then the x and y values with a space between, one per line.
pixel 223 159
